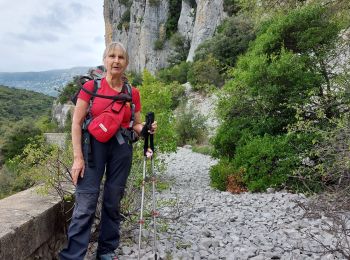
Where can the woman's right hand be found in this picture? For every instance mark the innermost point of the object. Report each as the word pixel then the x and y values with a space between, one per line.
pixel 77 169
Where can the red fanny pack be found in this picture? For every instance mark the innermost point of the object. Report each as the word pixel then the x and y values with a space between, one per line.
pixel 104 126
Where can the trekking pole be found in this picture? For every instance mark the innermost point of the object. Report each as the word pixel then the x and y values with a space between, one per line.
pixel 154 202
pixel 141 221
pixel 147 154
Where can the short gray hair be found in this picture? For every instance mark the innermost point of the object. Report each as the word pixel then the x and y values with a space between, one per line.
pixel 111 46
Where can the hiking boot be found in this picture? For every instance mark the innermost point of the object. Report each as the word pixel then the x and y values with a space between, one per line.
pixel 108 256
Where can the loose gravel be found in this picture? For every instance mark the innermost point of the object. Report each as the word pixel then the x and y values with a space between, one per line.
pixel 199 222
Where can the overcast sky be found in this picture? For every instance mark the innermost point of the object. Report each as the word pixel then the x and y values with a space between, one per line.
pixel 37 35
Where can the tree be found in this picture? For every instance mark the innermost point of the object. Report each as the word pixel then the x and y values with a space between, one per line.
pixel 230 41
pixel 282 70
pixel 18 137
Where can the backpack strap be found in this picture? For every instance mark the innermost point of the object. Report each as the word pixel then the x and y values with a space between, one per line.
pixel 128 132
pixel 132 119
pixel 86 135
pixel 97 86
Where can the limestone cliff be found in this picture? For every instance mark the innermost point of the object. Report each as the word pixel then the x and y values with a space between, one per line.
pixel 141 24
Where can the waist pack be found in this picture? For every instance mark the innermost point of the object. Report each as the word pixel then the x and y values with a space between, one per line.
pixel 104 126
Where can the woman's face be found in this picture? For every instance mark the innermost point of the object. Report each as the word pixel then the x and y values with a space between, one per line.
pixel 115 62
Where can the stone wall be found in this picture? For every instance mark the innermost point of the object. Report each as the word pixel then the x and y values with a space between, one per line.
pixel 56 138
pixel 32 226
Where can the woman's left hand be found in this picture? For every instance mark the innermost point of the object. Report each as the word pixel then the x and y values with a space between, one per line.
pixel 153 128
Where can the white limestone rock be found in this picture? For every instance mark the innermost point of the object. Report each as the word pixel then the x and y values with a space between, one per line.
pixel 209 15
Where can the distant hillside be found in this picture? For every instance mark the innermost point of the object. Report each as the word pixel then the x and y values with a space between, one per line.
pixel 16 104
pixel 44 81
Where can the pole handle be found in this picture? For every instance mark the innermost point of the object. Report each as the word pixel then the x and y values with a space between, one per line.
pixel 148 137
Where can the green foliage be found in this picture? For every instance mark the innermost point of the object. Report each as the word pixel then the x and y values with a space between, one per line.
pixel 125 19
pixel 190 125
pixel 173 17
pixel 126 3
pixel 134 78
pixel 158 44
pixel 231 40
pixel 7 180
pixel 204 73
pixel 17 138
pixel 67 92
pixel 181 47
pixel 16 104
pixel 203 149
pixel 219 174
pixel 157 97
pixel 177 94
pixel 326 162
pixel 175 73
pixel 39 163
pixel 228 135
pixel 304 30
pixel 21 172
pixel 46 125
pixel 262 10
pixel 154 2
pixel 282 102
pixel 192 3
pixel 231 7
pixel 266 162
pixel 24 115
pixel 126 16
pixel 271 80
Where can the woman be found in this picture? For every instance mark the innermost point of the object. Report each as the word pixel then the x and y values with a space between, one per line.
pixel 112 158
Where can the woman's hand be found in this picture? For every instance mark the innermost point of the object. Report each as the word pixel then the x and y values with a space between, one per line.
pixel 77 169
pixel 153 128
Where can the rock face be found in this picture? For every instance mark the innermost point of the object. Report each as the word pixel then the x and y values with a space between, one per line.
pixel 209 15
pixel 186 20
pixel 146 28
pixel 60 113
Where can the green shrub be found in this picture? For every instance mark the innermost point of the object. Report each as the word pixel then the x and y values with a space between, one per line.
pixel 125 2
pixel 266 161
pixel 175 73
pixel 177 93
pixel 173 17
pixel 231 40
pixel 190 125
pixel 229 135
pixel 325 164
pixel 18 137
pixel 181 47
pixel 67 92
pixel 125 16
pixel 205 72
pixel 21 171
pixel 154 2
pixel 278 75
pixel 231 7
pixel 219 174
pixel 158 44
pixel 16 104
pixel 157 97
pixel 134 78
pixel 203 149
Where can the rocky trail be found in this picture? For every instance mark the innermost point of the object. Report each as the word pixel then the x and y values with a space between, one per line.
pixel 209 224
